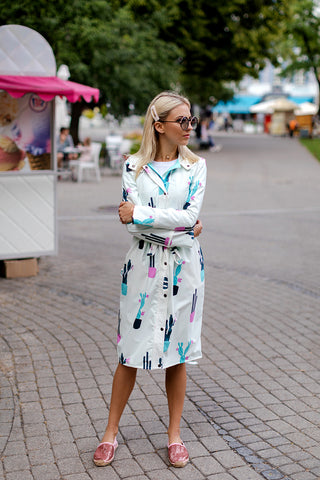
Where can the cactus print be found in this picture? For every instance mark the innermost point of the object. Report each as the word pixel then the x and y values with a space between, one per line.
pixel 176 278
pixel 193 305
pixel 192 191
pixel 167 335
pixel 152 269
pixel 201 264
pixel 138 320
pixel 182 352
pixel 146 362
pixel 119 321
pixel 126 269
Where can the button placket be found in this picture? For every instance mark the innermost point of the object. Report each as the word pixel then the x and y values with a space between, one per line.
pixel 162 304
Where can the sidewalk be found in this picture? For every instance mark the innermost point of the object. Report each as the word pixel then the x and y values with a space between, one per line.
pixel 252 403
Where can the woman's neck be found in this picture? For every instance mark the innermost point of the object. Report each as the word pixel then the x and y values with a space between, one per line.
pixel 166 155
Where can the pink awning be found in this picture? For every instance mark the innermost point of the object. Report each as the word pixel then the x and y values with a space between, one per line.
pixel 47 88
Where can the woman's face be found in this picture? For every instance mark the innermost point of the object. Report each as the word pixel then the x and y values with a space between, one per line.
pixel 172 130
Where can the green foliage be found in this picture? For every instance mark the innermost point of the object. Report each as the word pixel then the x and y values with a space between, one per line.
pixel 300 47
pixel 135 147
pixel 224 40
pixel 104 46
pixel 132 49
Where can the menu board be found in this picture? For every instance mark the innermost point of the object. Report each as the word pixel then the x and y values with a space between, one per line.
pixel 25 141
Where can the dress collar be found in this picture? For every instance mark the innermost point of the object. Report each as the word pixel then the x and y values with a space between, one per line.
pixel 186 164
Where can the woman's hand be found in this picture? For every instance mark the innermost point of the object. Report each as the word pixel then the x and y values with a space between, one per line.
pixel 197 229
pixel 126 212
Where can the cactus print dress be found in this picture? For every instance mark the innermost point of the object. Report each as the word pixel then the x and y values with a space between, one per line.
pixel 162 286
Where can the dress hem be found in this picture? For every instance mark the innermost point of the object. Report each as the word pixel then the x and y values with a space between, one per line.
pixel 161 368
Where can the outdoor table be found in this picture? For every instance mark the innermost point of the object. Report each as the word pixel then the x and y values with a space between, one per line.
pixel 72 150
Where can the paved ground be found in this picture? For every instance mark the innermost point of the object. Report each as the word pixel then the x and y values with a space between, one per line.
pixel 252 405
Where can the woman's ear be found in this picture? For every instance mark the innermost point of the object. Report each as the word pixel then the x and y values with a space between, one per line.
pixel 158 126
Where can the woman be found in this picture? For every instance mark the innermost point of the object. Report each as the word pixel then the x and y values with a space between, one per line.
pixel 163 275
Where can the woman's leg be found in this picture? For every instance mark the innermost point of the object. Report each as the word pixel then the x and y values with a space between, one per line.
pixel 122 386
pixel 176 382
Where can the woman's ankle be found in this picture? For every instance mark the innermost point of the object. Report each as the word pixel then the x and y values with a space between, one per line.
pixel 174 436
pixel 110 435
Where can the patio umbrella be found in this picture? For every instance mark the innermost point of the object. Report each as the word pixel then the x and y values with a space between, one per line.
pixel 283 105
pixel 275 105
pixel 262 107
pixel 306 108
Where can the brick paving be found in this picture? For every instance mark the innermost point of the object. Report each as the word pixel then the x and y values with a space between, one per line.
pixel 252 403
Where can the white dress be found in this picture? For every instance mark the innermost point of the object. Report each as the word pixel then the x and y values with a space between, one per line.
pixel 163 276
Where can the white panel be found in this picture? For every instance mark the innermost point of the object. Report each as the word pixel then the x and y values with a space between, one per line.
pixel 27 215
pixel 24 51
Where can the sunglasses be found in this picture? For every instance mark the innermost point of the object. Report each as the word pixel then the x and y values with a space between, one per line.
pixel 184 122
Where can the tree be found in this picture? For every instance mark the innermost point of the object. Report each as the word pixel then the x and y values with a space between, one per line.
pixel 221 40
pixel 132 49
pixel 105 47
pixel 300 47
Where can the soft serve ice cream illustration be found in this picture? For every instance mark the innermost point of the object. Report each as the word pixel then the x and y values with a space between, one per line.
pixel 8 109
pixel 24 133
pixel 11 157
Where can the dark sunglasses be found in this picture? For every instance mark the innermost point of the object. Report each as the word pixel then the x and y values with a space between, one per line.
pixel 184 122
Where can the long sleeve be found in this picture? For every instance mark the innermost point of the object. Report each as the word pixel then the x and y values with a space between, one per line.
pixel 169 218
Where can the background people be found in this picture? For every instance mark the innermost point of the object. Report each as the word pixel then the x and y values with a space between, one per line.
pixel 205 132
pixel 85 150
pixel 64 141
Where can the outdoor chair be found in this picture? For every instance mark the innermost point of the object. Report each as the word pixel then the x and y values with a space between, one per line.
pixel 113 144
pixel 93 164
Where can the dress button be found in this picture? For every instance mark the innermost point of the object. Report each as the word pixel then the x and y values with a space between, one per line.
pixel 165 263
pixel 161 329
pixel 165 295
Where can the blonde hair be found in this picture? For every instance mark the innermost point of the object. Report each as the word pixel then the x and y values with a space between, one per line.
pixel 159 109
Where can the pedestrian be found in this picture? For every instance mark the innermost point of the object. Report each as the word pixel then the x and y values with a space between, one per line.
pixel 206 138
pixel 163 276
pixel 293 127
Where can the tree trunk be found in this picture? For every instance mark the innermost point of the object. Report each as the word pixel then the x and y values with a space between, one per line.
pixel 76 110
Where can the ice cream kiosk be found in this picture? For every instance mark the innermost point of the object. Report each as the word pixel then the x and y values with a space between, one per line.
pixel 28 167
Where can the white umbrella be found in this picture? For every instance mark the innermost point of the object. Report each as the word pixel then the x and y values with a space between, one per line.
pixel 262 107
pixel 283 105
pixel 271 106
pixel 306 108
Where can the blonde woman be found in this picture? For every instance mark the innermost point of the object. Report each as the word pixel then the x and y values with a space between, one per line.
pixel 163 275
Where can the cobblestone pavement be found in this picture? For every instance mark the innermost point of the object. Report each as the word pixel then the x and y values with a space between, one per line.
pixel 252 404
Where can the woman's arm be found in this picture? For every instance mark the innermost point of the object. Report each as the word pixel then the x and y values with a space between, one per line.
pixel 167 218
